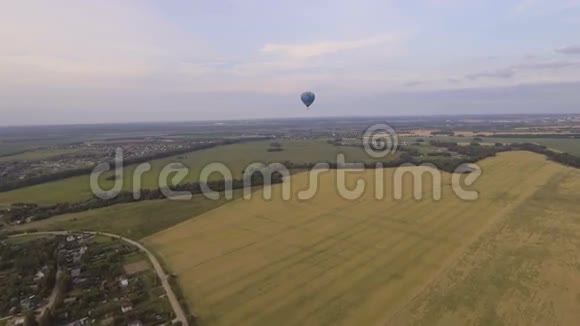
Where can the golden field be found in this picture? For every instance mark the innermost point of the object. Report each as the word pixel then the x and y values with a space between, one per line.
pixel 510 256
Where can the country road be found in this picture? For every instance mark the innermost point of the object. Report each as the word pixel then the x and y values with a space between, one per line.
pixel 180 315
pixel 53 296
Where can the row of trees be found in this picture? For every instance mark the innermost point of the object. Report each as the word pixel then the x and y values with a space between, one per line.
pixel 533 136
pixel 34 212
pixel 275 147
pixel 476 152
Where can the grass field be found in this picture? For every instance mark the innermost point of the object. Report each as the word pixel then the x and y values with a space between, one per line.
pixel 571 146
pixel 236 157
pixel 133 220
pixel 37 155
pixel 362 262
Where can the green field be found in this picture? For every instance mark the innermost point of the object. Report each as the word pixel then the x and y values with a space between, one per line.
pixel 331 261
pixel 236 157
pixel 571 146
pixel 133 220
pixel 9 145
pixel 37 155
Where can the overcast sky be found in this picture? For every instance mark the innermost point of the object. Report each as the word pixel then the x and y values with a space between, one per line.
pixel 116 61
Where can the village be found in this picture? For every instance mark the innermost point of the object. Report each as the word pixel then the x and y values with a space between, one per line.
pixel 78 279
pixel 70 157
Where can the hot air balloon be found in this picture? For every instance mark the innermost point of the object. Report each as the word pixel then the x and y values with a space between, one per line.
pixel 308 98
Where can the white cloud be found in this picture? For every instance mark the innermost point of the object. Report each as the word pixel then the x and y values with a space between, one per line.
pixel 499 73
pixel 93 43
pixel 572 49
pixel 315 49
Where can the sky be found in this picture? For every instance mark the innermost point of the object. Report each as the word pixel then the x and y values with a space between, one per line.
pixel 86 61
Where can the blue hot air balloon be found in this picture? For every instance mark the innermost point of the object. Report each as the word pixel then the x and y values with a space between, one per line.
pixel 308 98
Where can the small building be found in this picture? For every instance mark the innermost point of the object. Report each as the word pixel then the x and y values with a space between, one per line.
pixel 39 276
pixel 75 272
pixel 80 322
pixel 126 307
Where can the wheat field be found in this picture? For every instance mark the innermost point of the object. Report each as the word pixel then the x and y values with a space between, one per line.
pixel 328 260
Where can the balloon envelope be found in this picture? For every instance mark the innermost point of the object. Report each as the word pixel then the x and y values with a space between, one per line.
pixel 308 98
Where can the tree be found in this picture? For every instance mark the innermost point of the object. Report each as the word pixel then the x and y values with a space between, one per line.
pixel 30 319
pixel 47 319
pixel 64 282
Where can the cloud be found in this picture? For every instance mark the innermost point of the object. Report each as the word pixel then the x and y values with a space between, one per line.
pixel 413 83
pixel 547 65
pixel 572 49
pixel 310 50
pixel 129 55
pixel 92 43
pixel 510 71
pixel 505 73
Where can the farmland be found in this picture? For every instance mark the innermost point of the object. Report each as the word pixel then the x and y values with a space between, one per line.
pixel 571 146
pixel 524 271
pixel 36 155
pixel 134 220
pixel 328 260
pixel 236 157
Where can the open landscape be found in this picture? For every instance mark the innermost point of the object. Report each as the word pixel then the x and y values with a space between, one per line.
pixel 331 261
pixel 393 259
pixel 235 157
pixel 290 163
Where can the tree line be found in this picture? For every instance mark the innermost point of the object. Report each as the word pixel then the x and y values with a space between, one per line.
pixel 552 136
pixel 28 212
pixel 478 152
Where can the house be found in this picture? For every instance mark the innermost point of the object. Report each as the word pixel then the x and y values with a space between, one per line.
pixel 39 276
pixel 126 307
pixel 69 300
pixel 26 304
pixel 75 272
pixel 80 322
pixel 79 280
